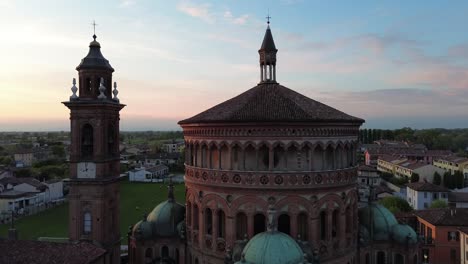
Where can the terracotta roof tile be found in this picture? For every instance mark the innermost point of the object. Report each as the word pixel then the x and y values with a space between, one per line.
pixel 426 187
pixel 31 252
pixel 271 102
pixel 445 216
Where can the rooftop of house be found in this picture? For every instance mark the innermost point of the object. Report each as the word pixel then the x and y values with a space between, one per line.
pixel 30 251
pixel 426 187
pixel 454 159
pixel 444 216
pixel 458 197
pixel 367 168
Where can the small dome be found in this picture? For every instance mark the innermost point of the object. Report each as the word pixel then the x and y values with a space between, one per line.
pixel 165 217
pixel 272 248
pixel 94 59
pixel 402 234
pixel 383 220
pixel 142 230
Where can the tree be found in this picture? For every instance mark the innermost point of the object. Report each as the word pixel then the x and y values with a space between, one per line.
pixel 437 180
pixel 459 180
pixel 395 204
pixel 414 177
pixel 446 179
pixel 58 151
pixel 438 204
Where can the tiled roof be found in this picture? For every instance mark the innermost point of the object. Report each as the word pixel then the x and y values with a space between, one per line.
pixel 426 187
pixel 459 197
pixel 454 159
pixel 30 251
pixel 445 216
pixel 367 168
pixel 271 102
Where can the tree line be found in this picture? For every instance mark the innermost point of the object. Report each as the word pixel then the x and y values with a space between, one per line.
pixel 455 140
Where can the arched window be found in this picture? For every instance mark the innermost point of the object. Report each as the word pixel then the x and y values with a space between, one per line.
pixel 87 141
pixel 224 157
pixel 335 223
pixel 293 158
pixel 278 157
pixel 148 255
pixel 317 158
pixel 263 158
pixel 329 158
pixel 208 221
pixel 323 225
pixel 88 85
pixel 381 257
pixel 111 141
pixel 213 162
pixel 164 252
pixel 241 225
pixel 259 223
pixel 250 158
pixel 221 224
pixel 195 217
pixel 284 224
pixel 302 226
pixel 236 163
pixel 87 223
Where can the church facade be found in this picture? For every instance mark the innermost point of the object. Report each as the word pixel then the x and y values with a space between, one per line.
pixel 270 177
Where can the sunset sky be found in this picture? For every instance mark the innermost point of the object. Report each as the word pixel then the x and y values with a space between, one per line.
pixel 393 63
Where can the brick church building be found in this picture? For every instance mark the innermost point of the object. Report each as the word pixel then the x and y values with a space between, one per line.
pixel 270 178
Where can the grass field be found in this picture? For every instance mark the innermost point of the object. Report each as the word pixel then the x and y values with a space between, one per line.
pixel 136 199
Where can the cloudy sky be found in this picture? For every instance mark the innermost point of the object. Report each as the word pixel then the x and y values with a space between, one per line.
pixel 393 63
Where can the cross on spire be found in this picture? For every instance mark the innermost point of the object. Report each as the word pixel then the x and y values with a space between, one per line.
pixel 268 17
pixel 94 29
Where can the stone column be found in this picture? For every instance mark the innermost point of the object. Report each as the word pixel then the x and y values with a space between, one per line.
pixel 219 158
pixel 264 72
pixel 311 159
pixel 242 159
pixel 342 230
pixel 250 225
pixel 334 159
pixel 201 227
pixel 261 73
pixel 324 162
pixel 285 159
pixel 274 72
pixel 230 231
pixel 215 227
pixel 256 159
pixel 229 158
pixel 293 225
pixel 210 159
pixel 271 72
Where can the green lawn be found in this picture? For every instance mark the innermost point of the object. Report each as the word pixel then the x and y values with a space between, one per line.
pixel 136 199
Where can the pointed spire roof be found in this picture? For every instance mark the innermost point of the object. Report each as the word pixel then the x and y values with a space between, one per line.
pixel 268 44
pixel 94 59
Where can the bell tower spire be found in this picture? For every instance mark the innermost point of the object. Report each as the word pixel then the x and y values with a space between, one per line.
pixel 267 54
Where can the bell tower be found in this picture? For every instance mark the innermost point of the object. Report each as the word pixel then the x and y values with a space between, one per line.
pixel 267 54
pixel 94 155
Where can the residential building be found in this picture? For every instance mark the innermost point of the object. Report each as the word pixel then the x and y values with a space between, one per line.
pixel 452 164
pixel 368 175
pixel 153 159
pixel 412 153
pixel 151 174
pixel 24 157
pixel 463 245
pixel 173 146
pixel 420 195
pixel 440 230
pixel 402 167
pixel 458 199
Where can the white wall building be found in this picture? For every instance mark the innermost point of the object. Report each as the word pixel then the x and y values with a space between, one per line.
pixel 151 174
pixel 420 195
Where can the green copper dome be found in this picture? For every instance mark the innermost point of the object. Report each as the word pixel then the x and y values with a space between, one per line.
pixel 165 217
pixel 404 234
pixel 143 230
pixel 272 247
pixel 383 220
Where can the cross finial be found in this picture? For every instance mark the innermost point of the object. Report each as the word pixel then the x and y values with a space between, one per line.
pixel 94 29
pixel 268 17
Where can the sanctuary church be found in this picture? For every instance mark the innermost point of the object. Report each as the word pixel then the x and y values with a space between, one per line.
pixel 270 178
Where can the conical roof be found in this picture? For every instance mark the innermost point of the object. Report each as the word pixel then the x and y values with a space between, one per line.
pixel 94 59
pixel 271 102
pixel 268 43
